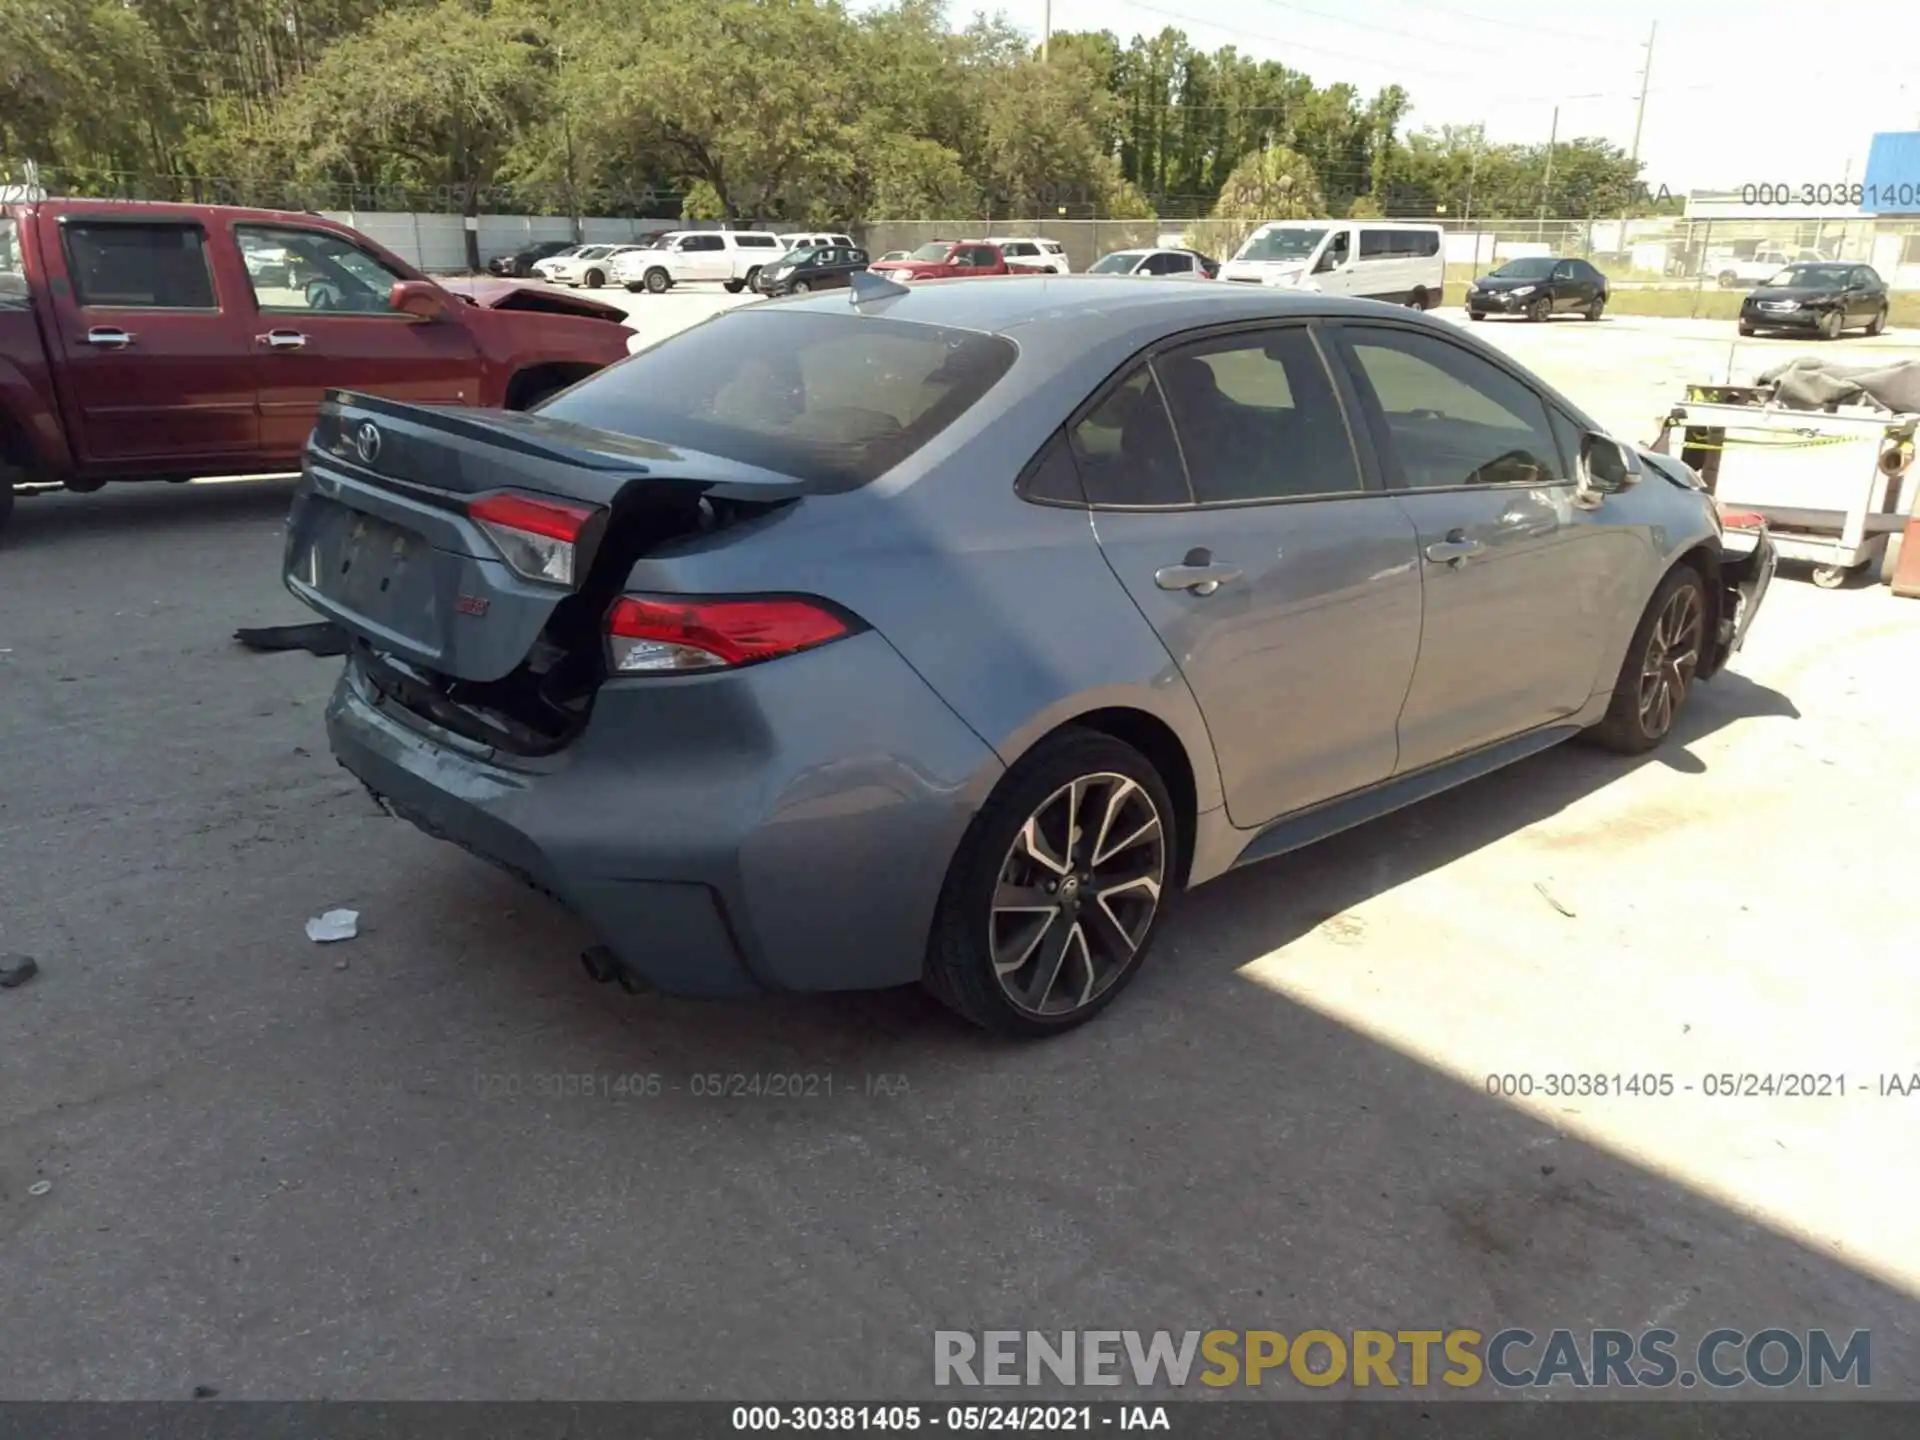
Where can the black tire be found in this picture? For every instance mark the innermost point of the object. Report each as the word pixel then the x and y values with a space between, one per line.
pixel 752 282
pixel 6 498
pixel 733 287
pixel 1070 767
pixel 1540 311
pixel 1597 308
pixel 1831 325
pixel 1878 325
pixel 634 287
pixel 1728 279
pixel 595 280
pixel 1636 721
pixel 1476 315
pixel 800 287
pixel 1418 299
pixel 1746 329
pixel 657 281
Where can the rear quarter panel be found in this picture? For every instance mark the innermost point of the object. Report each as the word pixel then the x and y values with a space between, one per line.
pixel 1007 609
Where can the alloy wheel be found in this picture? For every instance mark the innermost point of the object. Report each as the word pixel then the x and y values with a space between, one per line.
pixel 1673 654
pixel 1077 893
pixel 1540 311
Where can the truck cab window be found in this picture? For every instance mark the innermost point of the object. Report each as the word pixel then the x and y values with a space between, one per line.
pixel 116 265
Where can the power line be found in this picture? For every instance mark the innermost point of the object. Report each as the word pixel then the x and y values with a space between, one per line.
pixel 1523 25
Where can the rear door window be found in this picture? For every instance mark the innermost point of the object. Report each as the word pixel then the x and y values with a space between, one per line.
pixel 835 400
pixel 1257 418
pixel 115 265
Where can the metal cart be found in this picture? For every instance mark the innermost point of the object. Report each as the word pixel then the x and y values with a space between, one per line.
pixel 1832 484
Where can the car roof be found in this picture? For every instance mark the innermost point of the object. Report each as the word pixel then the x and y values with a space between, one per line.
pixel 1098 304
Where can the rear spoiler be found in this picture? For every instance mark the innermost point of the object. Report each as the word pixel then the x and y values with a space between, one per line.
pixel 458 449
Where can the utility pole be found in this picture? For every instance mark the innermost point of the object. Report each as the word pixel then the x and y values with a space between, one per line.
pixel 1640 114
pixel 1546 184
pixel 1473 171
pixel 1046 29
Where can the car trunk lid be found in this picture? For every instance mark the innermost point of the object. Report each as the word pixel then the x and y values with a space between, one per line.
pixel 429 534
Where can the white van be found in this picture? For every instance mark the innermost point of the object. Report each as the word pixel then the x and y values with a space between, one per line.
pixel 1376 259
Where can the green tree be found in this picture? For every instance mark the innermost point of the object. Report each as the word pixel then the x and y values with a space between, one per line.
pixel 1272 184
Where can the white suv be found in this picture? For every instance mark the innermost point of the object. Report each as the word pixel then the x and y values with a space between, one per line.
pixel 804 240
pixel 1033 253
pixel 734 258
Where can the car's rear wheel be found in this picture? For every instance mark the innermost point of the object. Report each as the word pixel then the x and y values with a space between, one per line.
pixel 1540 311
pixel 1597 308
pixel 1831 324
pixel 1418 299
pixel 1051 903
pixel 1878 324
pixel 1658 673
pixel 657 281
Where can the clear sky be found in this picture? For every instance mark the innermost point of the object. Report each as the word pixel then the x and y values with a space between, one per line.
pixel 1743 91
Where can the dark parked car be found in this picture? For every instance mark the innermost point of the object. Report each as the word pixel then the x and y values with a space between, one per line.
pixel 823 267
pixel 519 265
pixel 1824 297
pixel 1539 287
pixel 938 635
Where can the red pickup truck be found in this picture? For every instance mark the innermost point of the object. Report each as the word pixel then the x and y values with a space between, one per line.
pixel 955 260
pixel 163 342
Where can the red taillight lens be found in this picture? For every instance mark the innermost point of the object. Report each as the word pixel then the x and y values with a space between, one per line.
pixel 539 539
pixel 663 635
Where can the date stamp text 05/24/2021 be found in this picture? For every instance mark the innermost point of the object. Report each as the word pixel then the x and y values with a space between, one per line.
pixel 1710 1084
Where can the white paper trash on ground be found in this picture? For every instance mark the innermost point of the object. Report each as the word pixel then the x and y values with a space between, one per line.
pixel 334 925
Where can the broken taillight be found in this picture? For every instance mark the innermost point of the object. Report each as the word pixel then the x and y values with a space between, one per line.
pixel 539 539
pixel 662 634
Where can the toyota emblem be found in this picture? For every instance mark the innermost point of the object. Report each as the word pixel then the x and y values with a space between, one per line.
pixel 366 441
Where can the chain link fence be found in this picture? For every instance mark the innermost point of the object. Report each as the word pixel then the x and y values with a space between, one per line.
pixel 1652 254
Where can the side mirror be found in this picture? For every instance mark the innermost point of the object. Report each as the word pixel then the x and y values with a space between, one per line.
pixel 1328 261
pixel 1606 468
pixel 421 299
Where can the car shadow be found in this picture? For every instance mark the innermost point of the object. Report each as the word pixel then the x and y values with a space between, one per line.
pixel 1209 1152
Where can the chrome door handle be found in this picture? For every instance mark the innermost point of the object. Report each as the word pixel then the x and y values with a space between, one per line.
pixel 1200 579
pixel 1454 551
pixel 111 338
pixel 281 340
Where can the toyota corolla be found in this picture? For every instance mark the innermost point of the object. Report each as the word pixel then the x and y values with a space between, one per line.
pixel 945 634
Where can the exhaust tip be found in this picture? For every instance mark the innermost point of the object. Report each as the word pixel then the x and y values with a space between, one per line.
pixel 604 966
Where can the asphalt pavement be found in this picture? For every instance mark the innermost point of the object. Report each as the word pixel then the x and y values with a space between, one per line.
pixel 436 1161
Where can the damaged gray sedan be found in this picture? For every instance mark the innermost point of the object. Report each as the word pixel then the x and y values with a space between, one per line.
pixel 946 634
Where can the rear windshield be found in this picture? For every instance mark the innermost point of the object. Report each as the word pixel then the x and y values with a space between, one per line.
pixel 834 400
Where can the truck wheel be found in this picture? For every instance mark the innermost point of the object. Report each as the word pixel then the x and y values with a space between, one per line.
pixel 657 281
pixel 1728 279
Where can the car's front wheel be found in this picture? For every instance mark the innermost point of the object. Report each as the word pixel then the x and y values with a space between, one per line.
pixel 596 279
pixel 1540 311
pixel 1051 903
pixel 1658 673
pixel 1831 324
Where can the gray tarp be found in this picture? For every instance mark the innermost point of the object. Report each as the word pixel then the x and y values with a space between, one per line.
pixel 1811 383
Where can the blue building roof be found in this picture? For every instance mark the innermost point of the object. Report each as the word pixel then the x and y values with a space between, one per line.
pixel 1892 184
